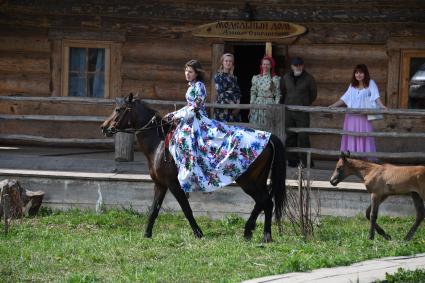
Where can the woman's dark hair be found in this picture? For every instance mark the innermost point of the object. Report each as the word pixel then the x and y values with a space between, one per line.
pixel 362 69
pixel 196 66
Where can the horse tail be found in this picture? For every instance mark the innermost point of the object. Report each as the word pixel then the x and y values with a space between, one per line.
pixel 278 177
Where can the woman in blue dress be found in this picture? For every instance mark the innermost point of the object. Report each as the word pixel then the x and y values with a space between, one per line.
pixel 228 91
pixel 209 154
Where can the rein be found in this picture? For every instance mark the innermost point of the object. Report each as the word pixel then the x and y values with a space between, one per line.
pixel 151 124
pixel 147 126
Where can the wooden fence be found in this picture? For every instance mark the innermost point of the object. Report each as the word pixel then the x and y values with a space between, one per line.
pixel 275 117
pixel 276 125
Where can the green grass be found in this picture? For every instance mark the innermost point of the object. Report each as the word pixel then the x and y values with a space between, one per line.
pixel 77 246
pixel 406 276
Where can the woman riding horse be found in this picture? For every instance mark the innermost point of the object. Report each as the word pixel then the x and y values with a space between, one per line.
pixel 207 155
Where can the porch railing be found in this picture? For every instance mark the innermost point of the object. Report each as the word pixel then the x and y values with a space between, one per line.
pixel 275 121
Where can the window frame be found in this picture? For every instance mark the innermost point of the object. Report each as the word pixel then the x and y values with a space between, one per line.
pixel 406 56
pixel 67 44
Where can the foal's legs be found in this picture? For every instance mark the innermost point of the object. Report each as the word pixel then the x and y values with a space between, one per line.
pixel 420 214
pixel 154 209
pixel 375 201
pixel 184 204
pixel 377 227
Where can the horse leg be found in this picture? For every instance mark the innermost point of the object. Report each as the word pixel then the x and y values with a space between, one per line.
pixel 154 209
pixel 420 214
pixel 373 215
pixel 251 222
pixel 257 190
pixel 268 215
pixel 377 227
pixel 181 198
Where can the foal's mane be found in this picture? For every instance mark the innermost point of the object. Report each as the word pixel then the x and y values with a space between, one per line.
pixel 360 164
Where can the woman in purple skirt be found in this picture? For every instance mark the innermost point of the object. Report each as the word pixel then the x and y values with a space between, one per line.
pixel 362 93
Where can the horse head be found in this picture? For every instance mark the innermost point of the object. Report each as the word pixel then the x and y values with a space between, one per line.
pixel 342 170
pixel 130 114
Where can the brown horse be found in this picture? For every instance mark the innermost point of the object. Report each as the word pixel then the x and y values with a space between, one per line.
pixel 133 115
pixel 382 181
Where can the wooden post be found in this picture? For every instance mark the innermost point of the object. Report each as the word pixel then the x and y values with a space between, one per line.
pixel 217 52
pixel 269 49
pixel 124 146
pixel 56 63
pixel 280 122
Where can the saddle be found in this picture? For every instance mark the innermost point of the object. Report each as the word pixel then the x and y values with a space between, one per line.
pixel 169 135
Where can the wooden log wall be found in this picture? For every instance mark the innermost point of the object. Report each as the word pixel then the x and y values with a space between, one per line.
pixel 155 68
pixel 24 65
pixel 332 66
pixel 156 42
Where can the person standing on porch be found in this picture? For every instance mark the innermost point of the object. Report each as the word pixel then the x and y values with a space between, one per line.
pixel 228 91
pixel 298 88
pixel 361 93
pixel 265 89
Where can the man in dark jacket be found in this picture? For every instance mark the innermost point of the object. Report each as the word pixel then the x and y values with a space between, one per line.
pixel 298 88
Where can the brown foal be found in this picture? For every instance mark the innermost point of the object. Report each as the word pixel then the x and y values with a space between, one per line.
pixel 382 181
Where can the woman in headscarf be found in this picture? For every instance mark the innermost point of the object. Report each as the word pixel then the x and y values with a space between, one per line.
pixel 265 89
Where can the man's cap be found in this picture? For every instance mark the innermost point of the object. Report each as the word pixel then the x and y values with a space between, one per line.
pixel 297 61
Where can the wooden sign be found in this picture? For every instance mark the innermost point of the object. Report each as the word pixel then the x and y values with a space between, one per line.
pixel 250 30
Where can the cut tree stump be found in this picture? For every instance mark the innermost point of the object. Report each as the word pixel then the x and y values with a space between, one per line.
pixel 21 202
pixel 124 146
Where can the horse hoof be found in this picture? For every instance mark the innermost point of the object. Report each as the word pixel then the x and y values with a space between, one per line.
pixel 198 233
pixel 408 238
pixel 267 238
pixel 148 235
pixel 247 236
pixel 387 237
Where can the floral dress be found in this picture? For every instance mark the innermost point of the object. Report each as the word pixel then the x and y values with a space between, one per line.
pixel 228 92
pixel 263 93
pixel 210 154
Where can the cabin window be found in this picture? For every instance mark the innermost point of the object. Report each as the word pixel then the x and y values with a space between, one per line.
pixel 413 80
pixel 86 69
pixel 86 72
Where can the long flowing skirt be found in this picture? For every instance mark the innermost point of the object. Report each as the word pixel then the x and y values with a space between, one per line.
pixel 357 123
pixel 210 154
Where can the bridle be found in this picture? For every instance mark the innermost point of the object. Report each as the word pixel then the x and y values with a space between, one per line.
pixel 154 120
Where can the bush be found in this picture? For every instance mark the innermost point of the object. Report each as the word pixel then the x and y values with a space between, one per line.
pixel 406 276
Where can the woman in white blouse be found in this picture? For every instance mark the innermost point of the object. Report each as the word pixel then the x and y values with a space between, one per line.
pixel 362 93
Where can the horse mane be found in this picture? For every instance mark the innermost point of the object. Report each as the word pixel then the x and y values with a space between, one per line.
pixel 147 109
pixel 360 163
pixel 361 167
pixel 146 112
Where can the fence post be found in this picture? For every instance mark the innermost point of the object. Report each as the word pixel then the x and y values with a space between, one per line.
pixel 280 122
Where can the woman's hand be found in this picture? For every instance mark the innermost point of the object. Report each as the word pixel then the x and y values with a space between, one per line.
pixel 169 117
pixel 339 103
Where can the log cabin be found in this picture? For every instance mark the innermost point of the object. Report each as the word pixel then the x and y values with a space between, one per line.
pixel 61 62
